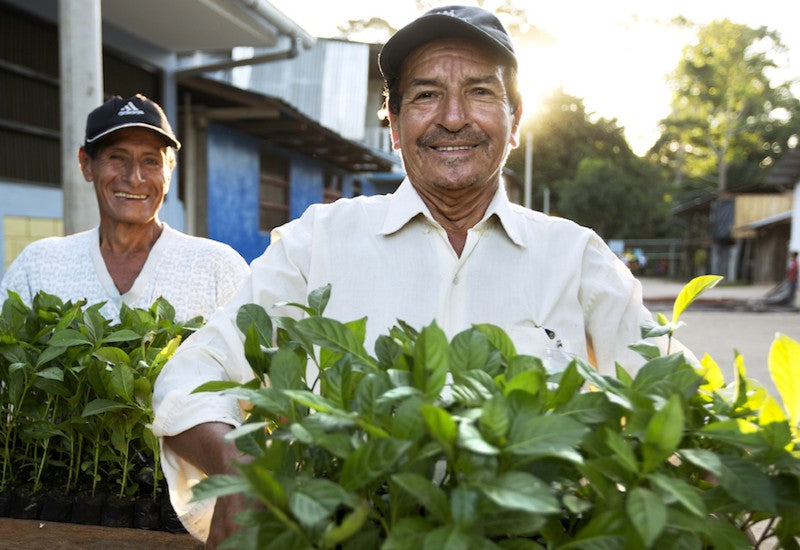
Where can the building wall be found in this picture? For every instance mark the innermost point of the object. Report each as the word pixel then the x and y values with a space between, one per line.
pixel 26 201
pixel 327 83
pixel 771 254
pixel 233 186
pixel 233 191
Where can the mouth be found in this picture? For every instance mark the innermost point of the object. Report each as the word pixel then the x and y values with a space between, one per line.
pixel 450 148
pixel 129 196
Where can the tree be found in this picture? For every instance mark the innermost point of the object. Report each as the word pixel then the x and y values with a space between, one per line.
pixel 727 118
pixel 617 199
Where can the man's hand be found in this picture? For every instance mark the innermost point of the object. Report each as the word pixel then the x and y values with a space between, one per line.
pixel 223 523
pixel 205 447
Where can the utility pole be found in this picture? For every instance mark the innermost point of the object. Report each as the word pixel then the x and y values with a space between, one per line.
pixel 527 199
pixel 81 73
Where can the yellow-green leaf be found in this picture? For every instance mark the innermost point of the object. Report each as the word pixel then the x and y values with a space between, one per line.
pixel 771 412
pixel 712 374
pixel 691 291
pixel 784 367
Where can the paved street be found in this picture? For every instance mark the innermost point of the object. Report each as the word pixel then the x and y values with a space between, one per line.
pixel 719 332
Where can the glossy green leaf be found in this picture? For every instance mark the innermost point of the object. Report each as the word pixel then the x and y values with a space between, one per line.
pixel 51 373
pixel 373 459
pixel 470 438
pixel 742 480
pixel 50 353
pixel 335 336
pixel 529 381
pixel 536 436
pixel 449 537
pixel 112 356
pixel 647 514
pixel 499 339
pixel 68 337
pixel 122 381
pixel 347 527
pixel 664 433
pixel 495 419
pixel 468 350
pixel 318 299
pixel 441 426
pixel 680 490
pixel 621 449
pixel 408 534
pixel 122 335
pixel 99 406
pixel 255 315
pixel 427 494
pixel 218 486
pixel 431 360
pixel 521 491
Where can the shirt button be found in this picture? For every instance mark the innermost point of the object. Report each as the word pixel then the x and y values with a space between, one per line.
pixel 456 280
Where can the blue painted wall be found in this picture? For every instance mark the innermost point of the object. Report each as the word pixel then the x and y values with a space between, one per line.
pixel 307 182
pixel 233 177
pixel 233 191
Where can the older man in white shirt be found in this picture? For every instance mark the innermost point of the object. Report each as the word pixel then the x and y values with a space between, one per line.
pixel 447 246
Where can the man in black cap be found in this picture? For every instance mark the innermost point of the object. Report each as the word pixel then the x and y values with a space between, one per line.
pixel 131 257
pixel 446 246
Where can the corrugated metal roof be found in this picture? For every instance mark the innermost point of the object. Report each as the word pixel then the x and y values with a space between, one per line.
pixel 283 125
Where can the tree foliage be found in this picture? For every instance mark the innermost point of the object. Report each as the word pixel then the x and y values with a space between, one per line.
pixel 728 119
pixel 617 200
pixel 591 171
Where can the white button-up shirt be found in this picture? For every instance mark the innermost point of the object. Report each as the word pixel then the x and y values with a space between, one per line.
pixel 548 282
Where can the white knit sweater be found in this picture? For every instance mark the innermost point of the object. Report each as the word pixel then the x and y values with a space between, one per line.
pixel 193 274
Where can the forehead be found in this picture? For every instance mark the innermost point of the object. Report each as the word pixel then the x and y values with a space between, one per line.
pixel 451 54
pixel 134 137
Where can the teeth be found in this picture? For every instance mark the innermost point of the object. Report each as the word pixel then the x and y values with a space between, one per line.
pixel 458 148
pixel 129 196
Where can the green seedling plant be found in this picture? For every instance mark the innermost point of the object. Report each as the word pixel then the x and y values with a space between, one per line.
pixel 77 393
pixel 430 443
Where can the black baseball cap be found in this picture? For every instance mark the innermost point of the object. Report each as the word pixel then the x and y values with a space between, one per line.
pixel 447 22
pixel 137 111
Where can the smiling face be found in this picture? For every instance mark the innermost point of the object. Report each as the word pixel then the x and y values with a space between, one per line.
pixel 455 125
pixel 131 173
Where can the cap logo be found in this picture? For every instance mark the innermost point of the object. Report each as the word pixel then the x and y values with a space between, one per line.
pixel 130 109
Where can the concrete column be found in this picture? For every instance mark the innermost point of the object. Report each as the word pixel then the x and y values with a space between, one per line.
pixel 81 71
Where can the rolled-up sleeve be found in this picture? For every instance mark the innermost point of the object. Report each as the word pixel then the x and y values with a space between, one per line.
pixel 216 353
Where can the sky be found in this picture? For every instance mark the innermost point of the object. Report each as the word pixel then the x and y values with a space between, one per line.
pixel 614 54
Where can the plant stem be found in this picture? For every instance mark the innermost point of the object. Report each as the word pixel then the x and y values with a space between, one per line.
pixel 96 461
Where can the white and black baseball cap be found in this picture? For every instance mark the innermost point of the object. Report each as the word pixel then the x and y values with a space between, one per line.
pixel 137 111
pixel 446 22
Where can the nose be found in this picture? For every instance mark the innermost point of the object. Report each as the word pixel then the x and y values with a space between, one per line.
pixel 134 171
pixel 453 114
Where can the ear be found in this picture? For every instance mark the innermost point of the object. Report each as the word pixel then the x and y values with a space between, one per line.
pixel 86 165
pixel 515 123
pixel 394 126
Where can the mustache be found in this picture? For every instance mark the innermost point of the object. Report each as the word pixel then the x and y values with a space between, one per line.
pixel 442 136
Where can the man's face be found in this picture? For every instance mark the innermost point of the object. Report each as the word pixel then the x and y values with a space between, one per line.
pixel 131 176
pixel 455 125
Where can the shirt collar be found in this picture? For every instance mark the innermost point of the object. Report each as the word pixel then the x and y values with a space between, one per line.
pixel 406 204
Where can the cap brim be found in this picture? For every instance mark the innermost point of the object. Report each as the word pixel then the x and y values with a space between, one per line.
pixel 171 141
pixel 426 29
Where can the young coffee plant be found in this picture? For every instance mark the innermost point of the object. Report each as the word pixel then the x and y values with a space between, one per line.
pixel 430 443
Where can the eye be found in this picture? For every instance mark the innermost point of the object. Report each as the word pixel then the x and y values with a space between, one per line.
pixel 425 94
pixel 483 92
